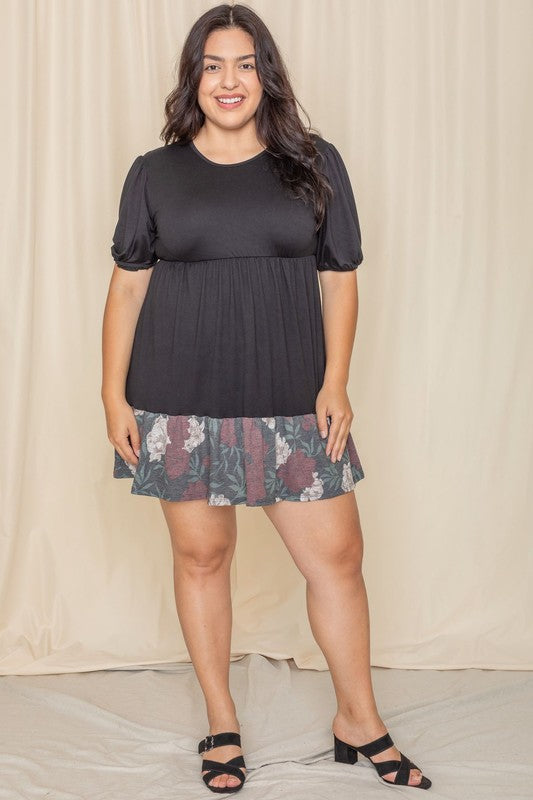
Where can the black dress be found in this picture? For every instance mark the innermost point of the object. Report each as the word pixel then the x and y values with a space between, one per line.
pixel 229 353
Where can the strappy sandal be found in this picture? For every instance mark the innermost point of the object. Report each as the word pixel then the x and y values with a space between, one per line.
pixel 215 768
pixel 347 753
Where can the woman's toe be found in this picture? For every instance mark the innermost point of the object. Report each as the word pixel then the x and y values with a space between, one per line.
pixel 415 777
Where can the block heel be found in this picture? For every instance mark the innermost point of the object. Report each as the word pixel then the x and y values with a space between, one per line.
pixel 344 752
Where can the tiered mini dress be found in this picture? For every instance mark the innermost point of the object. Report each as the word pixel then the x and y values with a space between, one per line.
pixel 228 353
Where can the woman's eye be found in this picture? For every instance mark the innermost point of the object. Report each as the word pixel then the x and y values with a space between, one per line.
pixel 208 68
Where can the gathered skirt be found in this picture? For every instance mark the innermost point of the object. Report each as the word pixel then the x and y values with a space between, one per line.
pixel 237 460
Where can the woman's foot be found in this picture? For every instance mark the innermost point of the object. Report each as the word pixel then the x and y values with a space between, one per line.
pixel 224 753
pixel 359 732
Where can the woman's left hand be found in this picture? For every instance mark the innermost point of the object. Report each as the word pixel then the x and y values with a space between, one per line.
pixel 332 401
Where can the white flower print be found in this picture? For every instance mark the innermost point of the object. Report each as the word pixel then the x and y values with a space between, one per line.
pixel 347 478
pixel 138 412
pixel 157 439
pixel 270 421
pixel 132 467
pixel 197 435
pixel 315 491
pixel 283 450
pixel 218 500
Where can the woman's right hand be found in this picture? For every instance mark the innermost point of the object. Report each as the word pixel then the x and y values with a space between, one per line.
pixel 122 429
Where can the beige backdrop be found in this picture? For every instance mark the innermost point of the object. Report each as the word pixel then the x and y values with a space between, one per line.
pixel 430 105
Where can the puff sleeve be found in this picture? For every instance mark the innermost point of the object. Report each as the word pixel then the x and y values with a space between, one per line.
pixel 135 231
pixel 339 236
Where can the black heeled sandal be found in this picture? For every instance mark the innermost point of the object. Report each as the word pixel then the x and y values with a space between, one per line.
pixel 347 753
pixel 215 768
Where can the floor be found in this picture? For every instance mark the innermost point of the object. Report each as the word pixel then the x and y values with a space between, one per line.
pixel 132 733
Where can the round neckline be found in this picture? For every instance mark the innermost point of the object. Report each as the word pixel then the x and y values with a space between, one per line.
pixel 220 164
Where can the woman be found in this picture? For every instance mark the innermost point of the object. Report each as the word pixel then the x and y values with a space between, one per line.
pixel 224 380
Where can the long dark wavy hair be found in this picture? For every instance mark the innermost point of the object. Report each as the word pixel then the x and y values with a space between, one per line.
pixel 279 128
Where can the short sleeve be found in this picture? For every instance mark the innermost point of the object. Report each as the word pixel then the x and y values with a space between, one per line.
pixel 135 232
pixel 339 236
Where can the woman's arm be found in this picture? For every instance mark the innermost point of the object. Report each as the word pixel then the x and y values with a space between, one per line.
pixel 127 290
pixel 340 305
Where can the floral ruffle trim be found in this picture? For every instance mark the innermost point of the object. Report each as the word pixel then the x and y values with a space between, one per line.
pixel 237 460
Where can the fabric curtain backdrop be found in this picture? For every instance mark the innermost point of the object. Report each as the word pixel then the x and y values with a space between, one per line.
pixel 430 105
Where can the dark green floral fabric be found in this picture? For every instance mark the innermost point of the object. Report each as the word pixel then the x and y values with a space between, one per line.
pixel 237 460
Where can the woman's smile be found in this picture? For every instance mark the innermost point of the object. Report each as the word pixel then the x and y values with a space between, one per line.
pixel 230 101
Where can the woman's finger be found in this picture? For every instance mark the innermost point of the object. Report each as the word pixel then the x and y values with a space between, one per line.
pixel 123 447
pixel 322 422
pixel 337 422
pixel 135 438
pixel 341 443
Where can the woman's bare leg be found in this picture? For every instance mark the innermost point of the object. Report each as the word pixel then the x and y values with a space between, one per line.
pixel 325 540
pixel 203 541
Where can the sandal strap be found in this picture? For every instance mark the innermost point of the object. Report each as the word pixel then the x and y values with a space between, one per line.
pixel 218 739
pixel 402 768
pixel 384 767
pixel 236 760
pixel 221 768
pixel 377 746
pixel 402 776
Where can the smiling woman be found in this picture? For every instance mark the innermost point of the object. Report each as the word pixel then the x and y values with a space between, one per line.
pixel 234 386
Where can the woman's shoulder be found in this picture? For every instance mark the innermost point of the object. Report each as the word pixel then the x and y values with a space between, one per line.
pixel 160 156
pixel 321 144
pixel 332 160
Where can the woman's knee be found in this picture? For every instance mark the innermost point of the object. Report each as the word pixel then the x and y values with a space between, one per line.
pixel 345 556
pixel 204 555
pixel 335 559
pixel 203 537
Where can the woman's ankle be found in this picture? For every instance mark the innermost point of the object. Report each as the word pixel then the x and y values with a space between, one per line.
pixel 223 719
pixel 364 721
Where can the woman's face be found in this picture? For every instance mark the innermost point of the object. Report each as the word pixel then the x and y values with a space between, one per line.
pixel 225 74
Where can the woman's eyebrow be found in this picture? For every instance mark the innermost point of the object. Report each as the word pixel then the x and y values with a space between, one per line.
pixel 238 58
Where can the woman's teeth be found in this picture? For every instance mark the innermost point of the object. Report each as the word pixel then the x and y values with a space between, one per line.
pixel 230 102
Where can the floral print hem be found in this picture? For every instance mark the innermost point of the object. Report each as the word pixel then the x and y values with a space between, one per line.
pixel 237 460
